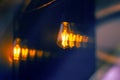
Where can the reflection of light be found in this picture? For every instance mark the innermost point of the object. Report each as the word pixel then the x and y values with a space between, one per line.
pixel 46 54
pixel 24 53
pixel 39 53
pixel 16 52
pixel 67 39
pixel 71 40
pixel 78 40
pixel 32 53
pixel 85 39
pixel 10 61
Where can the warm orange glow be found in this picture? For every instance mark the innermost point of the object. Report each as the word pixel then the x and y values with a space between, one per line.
pixel 85 39
pixel 64 39
pixel 71 40
pixel 39 53
pixel 32 53
pixel 24 53
pixel 78 41
pixel 16 52
pixel 67 38
pixel 10 61
pixel 63 35
pixel 80 38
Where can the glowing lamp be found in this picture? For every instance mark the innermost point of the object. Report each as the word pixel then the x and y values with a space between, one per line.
pixel 63 35
pixel 16 52
pixel 68 39
pixel 39 53
pixel 16 49
pixel 32 53
pixel 24 53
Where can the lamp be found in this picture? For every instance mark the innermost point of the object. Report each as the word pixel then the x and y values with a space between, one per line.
pixel 63 35
pixel 68 39
pixel 16 50
pixel 24 53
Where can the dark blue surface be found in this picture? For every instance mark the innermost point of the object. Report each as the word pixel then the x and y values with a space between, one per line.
pixel 40 29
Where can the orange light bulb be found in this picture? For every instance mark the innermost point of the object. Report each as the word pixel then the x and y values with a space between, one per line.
pixel 63 35
pixel 24 53
pixel 16 52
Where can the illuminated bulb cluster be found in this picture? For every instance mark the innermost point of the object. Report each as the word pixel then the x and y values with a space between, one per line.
pixel 22 53
pixel 67 38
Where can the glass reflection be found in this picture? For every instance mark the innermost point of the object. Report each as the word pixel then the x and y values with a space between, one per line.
pixel 24 53
pixel 32 53
pixel 68 39
pixel 39 53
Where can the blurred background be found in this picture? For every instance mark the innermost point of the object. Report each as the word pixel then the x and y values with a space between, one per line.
pixel 37 22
